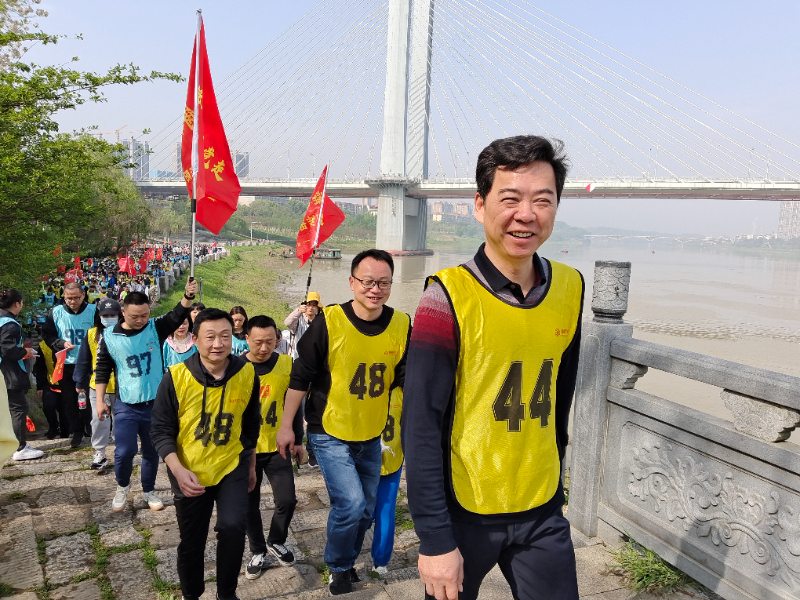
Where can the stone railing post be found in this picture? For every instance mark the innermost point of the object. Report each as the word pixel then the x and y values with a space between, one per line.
pixel 609 303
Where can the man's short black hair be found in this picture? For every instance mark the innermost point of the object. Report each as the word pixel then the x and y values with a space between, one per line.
pixel 210 314
pixel 262 322
pixel 514 152
pixel 136 298
pixel 381 255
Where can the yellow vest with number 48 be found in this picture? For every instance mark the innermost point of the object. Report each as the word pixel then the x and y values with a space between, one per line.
pixel 362 370
pixel 391 450
pixel 503 452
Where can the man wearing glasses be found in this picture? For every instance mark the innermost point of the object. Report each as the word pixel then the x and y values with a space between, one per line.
pixel 352 355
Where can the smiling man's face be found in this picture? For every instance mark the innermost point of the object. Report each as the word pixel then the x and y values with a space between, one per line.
pixel 519 211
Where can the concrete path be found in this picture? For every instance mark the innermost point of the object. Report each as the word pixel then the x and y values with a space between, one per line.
pixel 59 540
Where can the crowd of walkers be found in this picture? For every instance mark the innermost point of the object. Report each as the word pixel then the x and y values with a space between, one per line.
pixel 474 403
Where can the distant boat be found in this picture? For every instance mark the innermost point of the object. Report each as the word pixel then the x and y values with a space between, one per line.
pixel 329 253
pixel 564 251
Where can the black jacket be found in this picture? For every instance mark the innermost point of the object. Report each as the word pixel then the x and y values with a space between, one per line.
pixel 15 377
pixel 164 422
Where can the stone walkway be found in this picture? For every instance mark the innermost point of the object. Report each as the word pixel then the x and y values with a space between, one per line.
pixel 59 540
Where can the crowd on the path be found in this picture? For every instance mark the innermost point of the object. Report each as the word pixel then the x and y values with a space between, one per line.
pixel 473 402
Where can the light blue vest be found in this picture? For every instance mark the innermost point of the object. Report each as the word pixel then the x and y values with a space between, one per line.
pixel 239 347
pixel 73 328
pixel 4 321
pixel 173 358
pixel 139 363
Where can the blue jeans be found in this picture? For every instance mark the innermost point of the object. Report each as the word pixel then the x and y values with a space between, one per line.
pixel 352 471
pixel 132 421
pixel 383 536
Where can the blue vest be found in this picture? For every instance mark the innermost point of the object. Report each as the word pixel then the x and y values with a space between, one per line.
pixel 5 321
pixel 239 346
pixel 49 299
pixel 173 358
pixel 139 363
pixel 73 328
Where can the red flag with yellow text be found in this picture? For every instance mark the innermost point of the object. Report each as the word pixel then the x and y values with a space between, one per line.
pixel 330 215
pixel 217 185
pixel 58 371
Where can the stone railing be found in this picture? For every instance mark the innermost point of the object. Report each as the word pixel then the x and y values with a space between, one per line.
pixel 718 499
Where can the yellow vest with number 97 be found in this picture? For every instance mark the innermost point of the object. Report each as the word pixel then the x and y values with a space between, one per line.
pixel 362 369
pixel 503 452
pixel 210 425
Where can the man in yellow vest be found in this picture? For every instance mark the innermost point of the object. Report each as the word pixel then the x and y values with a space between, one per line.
pixel 205 426
pixel 349 359
pixel 491 374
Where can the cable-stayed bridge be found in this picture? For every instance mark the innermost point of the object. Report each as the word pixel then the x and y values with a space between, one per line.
pixel 400 96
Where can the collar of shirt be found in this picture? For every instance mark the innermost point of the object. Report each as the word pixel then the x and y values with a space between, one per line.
pixel 497 281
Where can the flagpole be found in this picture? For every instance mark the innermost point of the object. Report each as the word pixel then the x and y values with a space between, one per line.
pixel 316 235
pixel 195 141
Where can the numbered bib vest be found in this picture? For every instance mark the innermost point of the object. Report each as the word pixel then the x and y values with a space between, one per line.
pixel 273 390
pixel 210 421
pixel 93 339
pixel 171 357
pixel 503 452
pixel 73 328
pixel 138 360
pixel 391 450
pixel 239 347
pixel 49 299
pixel 362 369
pixel 47 354
pixel 4 321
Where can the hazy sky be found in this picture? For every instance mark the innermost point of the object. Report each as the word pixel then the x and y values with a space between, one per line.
pixel 742 54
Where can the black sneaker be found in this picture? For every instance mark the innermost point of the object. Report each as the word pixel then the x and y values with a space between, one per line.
pixel 353 575
pixel 100 462
pixel 77 440
pixel 312 461
pixel 51 434
pixel 340 583
pixel 282 553
pixel 255 566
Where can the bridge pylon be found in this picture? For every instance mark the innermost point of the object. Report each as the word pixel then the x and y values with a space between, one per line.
pixel 402 219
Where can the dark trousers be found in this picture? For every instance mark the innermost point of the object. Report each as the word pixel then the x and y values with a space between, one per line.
pixel 80 421
pixel 194 516
pixel 18 407
pixel 281 477
pixel 131 425
pixel 55 412
pixel 536 557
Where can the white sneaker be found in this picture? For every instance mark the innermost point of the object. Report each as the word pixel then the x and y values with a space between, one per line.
pixel 120 498
pixel 153 501
pixel 27 453
pixel 380 571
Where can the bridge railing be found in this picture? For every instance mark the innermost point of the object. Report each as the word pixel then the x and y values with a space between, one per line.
pixel 718 499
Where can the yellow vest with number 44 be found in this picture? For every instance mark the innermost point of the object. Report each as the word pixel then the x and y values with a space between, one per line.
pixel 503 452
pixel 209 438
pixel 362 370
pixel 273 391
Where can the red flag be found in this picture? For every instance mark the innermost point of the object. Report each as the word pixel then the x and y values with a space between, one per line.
pixel 313 232
pixel 77 262
pixel 73 275
pixel 58 371
pixel 123 264
pixel 590 187
pixel 142 265
pixel 217 185
pixel 158 254
pixel 90 262
pixel 30 424
pixel 150 254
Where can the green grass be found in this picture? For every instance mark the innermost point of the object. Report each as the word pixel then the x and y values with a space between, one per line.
pixel 566 487
pixel 13 477
pixel 5 590
pixel 41 544
pixel 240 279
pixel 645 571
pixel 16 495
pixel 402 519
pixel 322 569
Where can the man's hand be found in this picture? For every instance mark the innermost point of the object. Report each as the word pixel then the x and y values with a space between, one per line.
pixel 187 481
pixel 68 346
pixel 442 575
pixel 101 407
pixel 39 394
pixel 297 450
pixel 191 287
pixel 285 440
pixel 30 353
pixel 251 484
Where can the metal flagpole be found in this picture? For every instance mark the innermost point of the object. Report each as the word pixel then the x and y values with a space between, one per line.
pixel 195 140
pixel 316 235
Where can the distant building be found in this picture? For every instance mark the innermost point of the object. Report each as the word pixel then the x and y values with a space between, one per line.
pixel 465 209
pixel 178 159
pixel 242 162
pixel 352 208
pixel 789 223
pixel 136 155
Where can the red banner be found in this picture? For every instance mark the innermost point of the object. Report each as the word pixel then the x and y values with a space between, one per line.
pixel 73 275
pixel 158 254
pixel 142 265
pixel 330 217
pixel 150 254
pixel 217 184
pixel 58 371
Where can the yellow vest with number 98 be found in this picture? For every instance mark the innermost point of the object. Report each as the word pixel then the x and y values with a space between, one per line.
pixel 503 452
pixel 362 369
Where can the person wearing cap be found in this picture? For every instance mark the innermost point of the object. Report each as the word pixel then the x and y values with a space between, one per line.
pixel 107 315
pixel 301 317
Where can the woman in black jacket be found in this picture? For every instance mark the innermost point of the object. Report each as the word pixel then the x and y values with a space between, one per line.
pixel 15 374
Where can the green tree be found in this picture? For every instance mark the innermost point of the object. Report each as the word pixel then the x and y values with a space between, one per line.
pixel 57 188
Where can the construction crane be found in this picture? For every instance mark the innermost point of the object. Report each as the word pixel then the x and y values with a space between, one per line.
pixel 116 132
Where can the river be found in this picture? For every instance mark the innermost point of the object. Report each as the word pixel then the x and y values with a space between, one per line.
pixel 744 308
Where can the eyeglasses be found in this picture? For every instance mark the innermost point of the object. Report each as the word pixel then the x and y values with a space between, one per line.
pixel 368 284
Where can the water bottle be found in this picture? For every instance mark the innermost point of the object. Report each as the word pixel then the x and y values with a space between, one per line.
pixel 82 400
